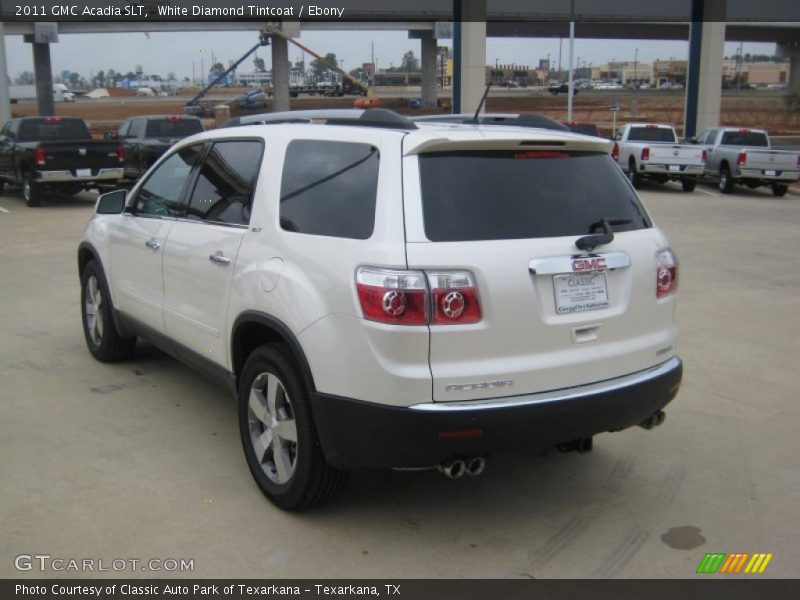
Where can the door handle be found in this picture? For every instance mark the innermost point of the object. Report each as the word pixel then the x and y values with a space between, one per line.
pixel 152 244
pixel 219 258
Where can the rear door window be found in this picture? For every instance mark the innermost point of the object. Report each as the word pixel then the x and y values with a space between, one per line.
pixel 329 188
pixel 495 195
pixel 225 183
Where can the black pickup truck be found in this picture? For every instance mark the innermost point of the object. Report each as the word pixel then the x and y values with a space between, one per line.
pixel 56 153
pixel 145 139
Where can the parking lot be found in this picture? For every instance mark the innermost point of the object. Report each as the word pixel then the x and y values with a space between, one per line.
pixel 143 459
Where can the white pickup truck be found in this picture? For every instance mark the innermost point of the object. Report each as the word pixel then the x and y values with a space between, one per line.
pixel 746 157
pixel 652 151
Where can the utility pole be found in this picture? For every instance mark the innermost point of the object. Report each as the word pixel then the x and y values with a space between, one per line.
pixel 635 68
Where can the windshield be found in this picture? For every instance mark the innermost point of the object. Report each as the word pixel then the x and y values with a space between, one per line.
pixel 755 139
pixel 651 134
pixel 172 128
pixel 498 195
pixel 52 130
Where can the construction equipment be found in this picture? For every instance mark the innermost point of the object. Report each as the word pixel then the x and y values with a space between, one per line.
pixel 357 85
pixel 193 106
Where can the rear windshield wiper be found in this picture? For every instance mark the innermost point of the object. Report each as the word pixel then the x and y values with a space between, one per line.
pixel 590 242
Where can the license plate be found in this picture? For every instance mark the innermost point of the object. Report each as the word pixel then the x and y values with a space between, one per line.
pixel 770 173
pixel 674 167
pixel 580 292
pixel 83 172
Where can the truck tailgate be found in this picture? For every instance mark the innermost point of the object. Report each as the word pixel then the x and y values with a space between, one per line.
pixel 89 154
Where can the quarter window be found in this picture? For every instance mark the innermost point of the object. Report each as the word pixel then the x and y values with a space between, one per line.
pixel 329 188
pixel 161 194
pixel 224 189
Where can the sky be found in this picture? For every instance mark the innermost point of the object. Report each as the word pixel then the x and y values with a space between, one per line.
pixel 162 53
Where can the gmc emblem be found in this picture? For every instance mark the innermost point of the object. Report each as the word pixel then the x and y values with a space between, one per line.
pixel 589 264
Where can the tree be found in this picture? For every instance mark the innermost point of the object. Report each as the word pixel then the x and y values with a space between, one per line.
pixel 74 79
pixel 259 65
pixel 318 68
pixel 25 78
pixel 410 63
pixel 171 76
pixel 217 69
pixel 100 79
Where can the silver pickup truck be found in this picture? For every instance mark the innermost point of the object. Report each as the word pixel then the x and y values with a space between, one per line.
pixel 652 151
pixel 746 157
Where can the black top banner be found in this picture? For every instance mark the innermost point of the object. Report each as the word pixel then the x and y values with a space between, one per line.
pixel 399 10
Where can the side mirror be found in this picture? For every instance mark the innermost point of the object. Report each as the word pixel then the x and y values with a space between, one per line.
pixel 690 140
pixel 111 203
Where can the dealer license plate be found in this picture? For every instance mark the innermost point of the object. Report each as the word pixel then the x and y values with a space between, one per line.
pixel 578 292
pixel 770 173
pixel 674 167
pixel 83 172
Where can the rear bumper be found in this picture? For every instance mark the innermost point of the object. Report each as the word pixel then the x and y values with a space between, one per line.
pixel 67 176
pixel 788 176
pixel 686 170
pixel 364 434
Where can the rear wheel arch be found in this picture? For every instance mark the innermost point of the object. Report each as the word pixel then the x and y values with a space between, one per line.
pixel 253 329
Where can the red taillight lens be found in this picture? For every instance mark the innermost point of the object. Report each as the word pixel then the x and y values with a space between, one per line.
pixel 645 153
pixel 40 157
pixel 402 297
pixel 615 151
pixel 666 273
pixel 705 155
pixel 741 159
pixel 120 154
pixel 393 296
pixel 454 297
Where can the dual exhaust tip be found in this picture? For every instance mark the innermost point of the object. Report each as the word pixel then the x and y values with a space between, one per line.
pixel 454 468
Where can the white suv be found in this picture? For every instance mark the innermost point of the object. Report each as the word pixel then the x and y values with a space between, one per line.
pixel 382 294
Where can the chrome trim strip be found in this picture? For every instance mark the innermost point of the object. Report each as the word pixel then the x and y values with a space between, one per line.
pixel 554 265
pixel 601 387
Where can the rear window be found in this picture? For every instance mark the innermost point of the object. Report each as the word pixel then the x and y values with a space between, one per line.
pixel 651 134
pixel 172 128
pixel 745 138
pixel 329 188
pixel 45 129
pixel 470 196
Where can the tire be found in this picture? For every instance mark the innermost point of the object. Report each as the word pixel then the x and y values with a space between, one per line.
pixel 688 184
pixel 725 180
pixel 633 174
pixel 102 338
pixel 302 478
pixel 31 192
pixel 779 189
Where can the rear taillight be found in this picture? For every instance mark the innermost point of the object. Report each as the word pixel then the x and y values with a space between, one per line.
pixel 120 154
pixel 666 273
pixel 393 296
pixel 615 151
pixel 741 159
pixel 705 155
pixel 645 153
pixel 454 297
pixel 40 157
pixel 402 297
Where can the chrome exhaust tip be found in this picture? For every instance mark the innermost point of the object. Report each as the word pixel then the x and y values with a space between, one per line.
pixel 453 468
pixel 475 465
pixel 654 420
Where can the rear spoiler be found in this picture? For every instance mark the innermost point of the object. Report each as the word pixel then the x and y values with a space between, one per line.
pixel 448 144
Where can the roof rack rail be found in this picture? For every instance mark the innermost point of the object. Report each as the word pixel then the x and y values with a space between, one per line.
pixel 531 120
pixel 370 117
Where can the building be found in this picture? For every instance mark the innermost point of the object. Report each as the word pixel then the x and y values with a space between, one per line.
pixel 758 74
pixel 628 73
pixel 521 75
